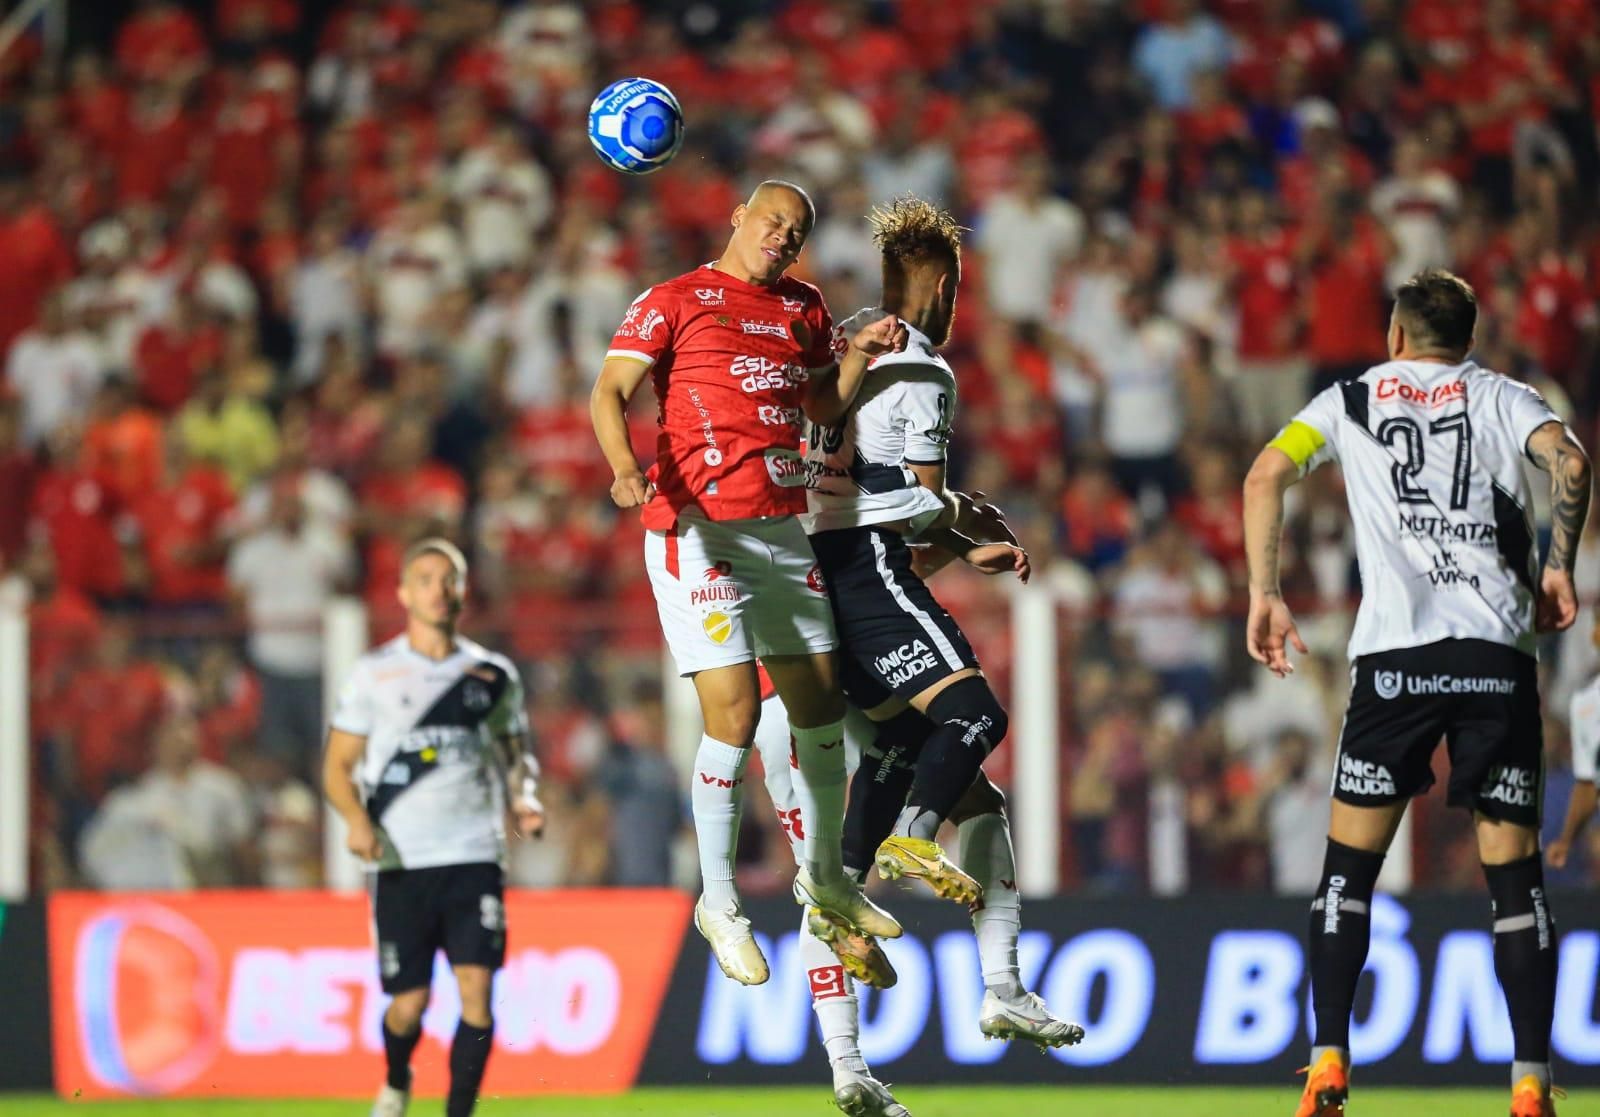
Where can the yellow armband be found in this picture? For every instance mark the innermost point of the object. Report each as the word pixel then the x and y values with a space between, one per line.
pixel 1300 441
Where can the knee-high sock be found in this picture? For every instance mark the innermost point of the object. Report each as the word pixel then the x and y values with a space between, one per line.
pixel 1340 933
pixel 819 785
pixel 987 855
pixel 469 1057
pixel 1525 960
pixel 878 791
pixel 717 800
pixel 397 1051
pixel 969 723
pixel 833 999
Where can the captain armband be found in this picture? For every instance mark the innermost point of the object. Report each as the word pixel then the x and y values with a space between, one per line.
pixel 1300 441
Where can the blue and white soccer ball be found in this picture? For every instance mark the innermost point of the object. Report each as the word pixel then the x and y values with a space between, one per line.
pixel 636 126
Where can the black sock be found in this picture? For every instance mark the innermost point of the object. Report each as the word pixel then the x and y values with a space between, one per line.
pixel 969 723
pixel 878 791
pixel 469 1056
pixel 1525 953
pixel 397 1054
pixel 1341 931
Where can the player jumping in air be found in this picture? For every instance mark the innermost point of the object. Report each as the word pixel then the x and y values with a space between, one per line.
pixel 1432 448
pixel 428 747
pixel 739 353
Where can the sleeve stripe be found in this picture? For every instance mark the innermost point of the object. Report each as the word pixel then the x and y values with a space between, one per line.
pixel 1300 440
pixel 630 355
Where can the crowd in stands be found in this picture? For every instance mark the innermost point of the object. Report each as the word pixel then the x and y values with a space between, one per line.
pixel 290 283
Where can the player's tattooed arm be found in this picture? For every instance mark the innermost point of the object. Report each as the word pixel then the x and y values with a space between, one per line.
pixel 1270 629
pixel 521 770
pixel 1553 449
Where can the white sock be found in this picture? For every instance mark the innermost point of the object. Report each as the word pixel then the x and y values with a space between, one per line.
pixel 833 999
pixel 717 802
pixel 986 854
pixel 819 787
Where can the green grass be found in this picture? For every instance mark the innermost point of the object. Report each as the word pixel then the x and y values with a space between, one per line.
pixel 1088 1101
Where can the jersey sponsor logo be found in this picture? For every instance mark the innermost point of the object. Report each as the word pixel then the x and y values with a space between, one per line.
pixel 1387 684
pixel 710 296
pixel 768 328
pixel 786 468
pixel 718 781
pixel 1448 576
pixel 712 457
pixel 444 743
pixel 647 328
pixel 1444 530
pixel 792 306
pixel 905 663
pixel 772 416
pixel 718 627
pixel 1363 777
pixel 1393 388
pixel 491 913
pixel 763 374
pixel 714 593
pixel 1332 901
pixel 1515 787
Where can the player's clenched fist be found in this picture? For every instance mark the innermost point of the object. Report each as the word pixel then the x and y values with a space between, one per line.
pixel 363 840
pixel 630 490
pixel 886 335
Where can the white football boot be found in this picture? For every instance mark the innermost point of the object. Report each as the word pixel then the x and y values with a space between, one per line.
pixel 861 1095
pixel 845 899
pixel 391 1102
pixel 736 951
pixel 1025 1018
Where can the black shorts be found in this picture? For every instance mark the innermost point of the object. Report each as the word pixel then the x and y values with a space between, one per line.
pixel 895 639
pixel 459 909
pixel 1481 697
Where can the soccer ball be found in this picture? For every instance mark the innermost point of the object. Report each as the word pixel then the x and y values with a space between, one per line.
pixel 636 126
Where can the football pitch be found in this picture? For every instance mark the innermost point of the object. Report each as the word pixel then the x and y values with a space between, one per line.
pixel 1047 1101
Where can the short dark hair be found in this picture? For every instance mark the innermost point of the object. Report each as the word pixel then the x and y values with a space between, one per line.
pixel 910 230
pixel 1438 309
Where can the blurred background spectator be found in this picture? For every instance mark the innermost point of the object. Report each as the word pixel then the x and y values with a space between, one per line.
pixel 290 284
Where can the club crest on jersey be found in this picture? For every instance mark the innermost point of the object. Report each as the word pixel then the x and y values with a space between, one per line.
pixel 769 328
pixel 1387 684
pixel 718 627
pixel 814 580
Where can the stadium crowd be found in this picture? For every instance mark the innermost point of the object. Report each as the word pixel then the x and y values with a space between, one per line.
pixel 290 283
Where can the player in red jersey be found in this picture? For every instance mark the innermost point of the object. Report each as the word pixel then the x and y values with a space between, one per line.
pixel 740 354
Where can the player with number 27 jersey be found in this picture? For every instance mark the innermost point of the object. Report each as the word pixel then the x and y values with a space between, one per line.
pixel 1433 458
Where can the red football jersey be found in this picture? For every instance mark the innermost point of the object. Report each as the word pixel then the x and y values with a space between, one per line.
pixel 730 361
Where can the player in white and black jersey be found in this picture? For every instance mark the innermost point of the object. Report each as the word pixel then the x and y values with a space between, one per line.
pixel 427 753
pixel 874 481
pixel 1432 448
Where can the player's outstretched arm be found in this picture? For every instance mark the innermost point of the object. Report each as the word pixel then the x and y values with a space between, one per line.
pixel 829 394
pixel 619 378
pixel 1270 629
pixel 339 762
pixel 1553 449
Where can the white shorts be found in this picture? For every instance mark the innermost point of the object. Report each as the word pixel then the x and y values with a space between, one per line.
pixel 729 591
pixel 772 743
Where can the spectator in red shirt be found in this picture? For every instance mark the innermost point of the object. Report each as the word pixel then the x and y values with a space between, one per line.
pixel 161 41
pixel 75 511
pixel 37 259
pixel 1556 317
pixel 155 149
pixel 1213 511
pixel 1097 519
pixel 1271 384
pixel 171 355
pixel 1342 255
pixel 227 703
pixel 63 630
pixel 253 147
pixel 408 497
pixel 181 528
pixel 117 701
